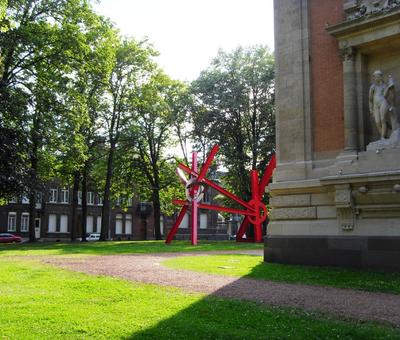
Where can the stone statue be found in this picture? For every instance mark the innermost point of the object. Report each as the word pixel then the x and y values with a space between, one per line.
pixel 382 107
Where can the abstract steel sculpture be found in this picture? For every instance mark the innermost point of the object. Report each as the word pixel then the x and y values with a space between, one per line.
pixel 255 210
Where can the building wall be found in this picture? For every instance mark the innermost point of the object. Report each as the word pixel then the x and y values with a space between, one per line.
pixel 326 78
pixel 334 201
pixel 142 228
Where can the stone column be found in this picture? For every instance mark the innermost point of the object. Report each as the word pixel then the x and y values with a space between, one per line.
pixel 350 100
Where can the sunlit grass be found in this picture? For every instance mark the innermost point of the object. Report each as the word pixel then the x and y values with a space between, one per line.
pixel 254 267
pixel 126 247
pixel 41 302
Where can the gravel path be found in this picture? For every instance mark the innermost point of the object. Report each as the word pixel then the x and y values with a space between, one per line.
pixel 147 268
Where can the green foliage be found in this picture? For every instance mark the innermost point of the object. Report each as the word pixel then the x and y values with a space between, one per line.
pixel 3 9
pixel 235 108
pixel 254 267
pixel 46 48
pixel 147 135
pixel 43 302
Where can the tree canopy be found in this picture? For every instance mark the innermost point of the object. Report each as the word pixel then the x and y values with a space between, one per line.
pixel 81 103
pixel 234 107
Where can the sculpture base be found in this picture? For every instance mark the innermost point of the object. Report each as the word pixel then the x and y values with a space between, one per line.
pixel 372 252
pixel 386 143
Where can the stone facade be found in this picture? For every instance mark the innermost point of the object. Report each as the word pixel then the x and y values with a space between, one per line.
pixel 334 200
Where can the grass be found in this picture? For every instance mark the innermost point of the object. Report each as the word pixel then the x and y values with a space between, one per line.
pixel 109 248
pixel 42 302
pixel 254 267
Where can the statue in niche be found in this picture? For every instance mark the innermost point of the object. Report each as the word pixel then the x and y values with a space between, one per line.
pixel 382 107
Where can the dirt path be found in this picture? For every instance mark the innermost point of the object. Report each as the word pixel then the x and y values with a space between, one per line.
pixel 147 268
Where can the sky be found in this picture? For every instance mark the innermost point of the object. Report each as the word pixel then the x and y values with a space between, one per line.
pixel 189 33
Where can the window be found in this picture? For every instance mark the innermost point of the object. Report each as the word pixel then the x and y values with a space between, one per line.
pixel 64 224
pixel 98 224
pixel 25 200
pixel 118 201
pixel 118 224
pixel 53 195
pixel 64 196
pixel 100 200
pixel 185 222
pixel 90 198
pixel 129 201
pixel 24 222
pixel 203 221
pixel 12 221
pixel 79 197
pixel 89 224
pixel 38 197
pixel 128 224
pixel 13 200
pixel 52 223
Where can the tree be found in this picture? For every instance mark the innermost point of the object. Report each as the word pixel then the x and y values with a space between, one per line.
pixel 235 108
pixel 40 54
pixel 130 66
pixel 151 132
pixel 181 104
pixel 81 131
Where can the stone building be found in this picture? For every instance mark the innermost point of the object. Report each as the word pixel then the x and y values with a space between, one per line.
pixel 336 190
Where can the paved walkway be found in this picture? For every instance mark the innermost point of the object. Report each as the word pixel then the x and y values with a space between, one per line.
pixel 346 303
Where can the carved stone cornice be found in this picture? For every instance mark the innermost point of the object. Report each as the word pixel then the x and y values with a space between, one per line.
pixel 358 9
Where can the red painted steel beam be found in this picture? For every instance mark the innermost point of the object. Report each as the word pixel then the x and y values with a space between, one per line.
pixel 267 175
pixel 176 225
pixel 217 208
pixel 218 188
pixel 194 209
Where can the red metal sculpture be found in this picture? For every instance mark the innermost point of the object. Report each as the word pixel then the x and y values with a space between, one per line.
pixel 255 210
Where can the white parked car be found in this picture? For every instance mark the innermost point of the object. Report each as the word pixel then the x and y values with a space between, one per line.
pixel 93 237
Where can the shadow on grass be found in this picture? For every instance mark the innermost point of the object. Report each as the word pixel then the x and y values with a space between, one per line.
pixel 222 316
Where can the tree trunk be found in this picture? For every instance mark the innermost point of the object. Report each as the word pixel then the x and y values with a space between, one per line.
pixel 33 178
pixel 32 214
pixel 74 217
pixel 105 220
pixel 157 214
pixel 84 203
pixel 156 203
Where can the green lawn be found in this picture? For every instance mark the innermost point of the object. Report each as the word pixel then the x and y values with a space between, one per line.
pixel 254 267
pixel 109 248
pixel 42 302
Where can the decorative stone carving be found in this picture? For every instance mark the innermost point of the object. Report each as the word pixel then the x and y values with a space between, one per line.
pixel 382 107
pixel 348 53
pixel 345 207
pixel 356 9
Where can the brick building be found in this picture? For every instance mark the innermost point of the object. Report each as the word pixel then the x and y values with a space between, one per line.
pixel 54 211
pixel 131 220
pixel 336 190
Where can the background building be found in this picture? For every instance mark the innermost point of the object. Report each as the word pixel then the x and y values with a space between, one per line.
pixel 130 220
pixel 53 220
pixel 336 190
